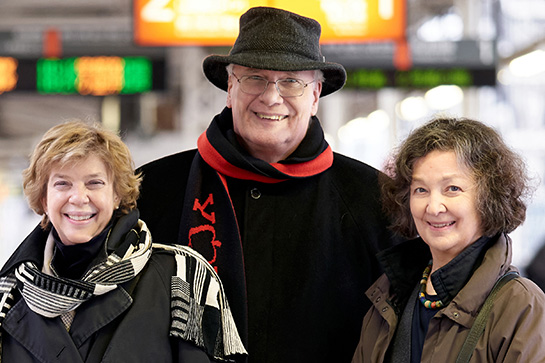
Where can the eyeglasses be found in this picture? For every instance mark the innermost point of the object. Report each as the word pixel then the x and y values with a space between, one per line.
pixel 287 87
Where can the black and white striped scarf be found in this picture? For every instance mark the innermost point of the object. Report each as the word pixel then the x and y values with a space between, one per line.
pixel 197 297
pixel 198 304
pixel 52 296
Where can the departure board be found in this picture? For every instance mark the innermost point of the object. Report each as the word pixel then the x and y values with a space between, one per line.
pixel 95 76
pixel 420 78
pixel 8 74
pixel 216 23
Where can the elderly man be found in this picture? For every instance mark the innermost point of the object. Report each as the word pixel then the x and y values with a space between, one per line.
pixel 291 227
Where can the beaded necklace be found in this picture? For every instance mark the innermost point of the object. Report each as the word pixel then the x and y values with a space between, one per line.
pixel 422 295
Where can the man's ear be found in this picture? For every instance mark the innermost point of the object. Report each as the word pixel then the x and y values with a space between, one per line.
pixel 229 90
pixel 317 90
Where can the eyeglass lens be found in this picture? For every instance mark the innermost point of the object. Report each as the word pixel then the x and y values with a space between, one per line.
pixel 285 87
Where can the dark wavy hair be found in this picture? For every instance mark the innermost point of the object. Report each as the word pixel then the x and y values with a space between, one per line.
pixel 74 141
pixel 500 173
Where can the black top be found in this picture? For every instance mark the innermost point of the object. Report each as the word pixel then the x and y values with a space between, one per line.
pixel 72 261
pixel 447 281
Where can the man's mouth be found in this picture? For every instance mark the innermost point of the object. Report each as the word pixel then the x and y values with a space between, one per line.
pixel 271 117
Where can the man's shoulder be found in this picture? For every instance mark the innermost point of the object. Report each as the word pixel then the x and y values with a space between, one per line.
pixel 165 163
pixel 354 168
pixel 167 173
pixel 356 181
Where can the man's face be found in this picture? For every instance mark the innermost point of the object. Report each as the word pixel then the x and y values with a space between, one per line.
pixel 268 125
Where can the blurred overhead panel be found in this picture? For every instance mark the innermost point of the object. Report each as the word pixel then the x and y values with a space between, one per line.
pixel 8 74
pixel 95 76
pixel 419 78
pixel 464 63
pixel 215 22
pixel 52 46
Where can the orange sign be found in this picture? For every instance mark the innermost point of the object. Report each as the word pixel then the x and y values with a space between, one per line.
pixel 215 22
pixel 8 74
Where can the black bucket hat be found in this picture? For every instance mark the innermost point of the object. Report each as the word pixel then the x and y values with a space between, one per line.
pixel 276 40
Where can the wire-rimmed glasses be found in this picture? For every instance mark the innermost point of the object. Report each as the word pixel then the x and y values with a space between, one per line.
pixel 286 87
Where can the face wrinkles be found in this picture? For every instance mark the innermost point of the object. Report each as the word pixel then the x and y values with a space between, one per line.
pixel 80 199
pixel 443 203
pixel 269 126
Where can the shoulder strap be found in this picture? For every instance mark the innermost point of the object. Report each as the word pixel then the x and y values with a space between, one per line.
pixel 478 326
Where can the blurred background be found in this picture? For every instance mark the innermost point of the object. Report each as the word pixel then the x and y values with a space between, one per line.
pixel 136 67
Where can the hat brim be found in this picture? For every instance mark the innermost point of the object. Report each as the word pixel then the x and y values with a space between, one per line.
pixel 214 68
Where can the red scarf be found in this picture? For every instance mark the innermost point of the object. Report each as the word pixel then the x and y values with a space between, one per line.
pixel 282 172
pixel 209 223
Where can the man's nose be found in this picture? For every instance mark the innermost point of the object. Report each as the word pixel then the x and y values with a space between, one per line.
pixel 271 95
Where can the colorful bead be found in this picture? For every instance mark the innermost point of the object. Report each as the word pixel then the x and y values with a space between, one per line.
pixel 422 295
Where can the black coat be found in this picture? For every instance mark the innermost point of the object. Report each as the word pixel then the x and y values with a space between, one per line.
pixel 128 324
pixel 309 253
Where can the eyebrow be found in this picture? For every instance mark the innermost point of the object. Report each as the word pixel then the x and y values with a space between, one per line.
pixel 445 178
pixel 64 176
pixel 286 73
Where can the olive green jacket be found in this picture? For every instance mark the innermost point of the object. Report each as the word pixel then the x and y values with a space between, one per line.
pixel 514 332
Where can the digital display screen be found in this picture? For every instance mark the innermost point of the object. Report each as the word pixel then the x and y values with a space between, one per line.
pixel 96 76
pixel 216 23
pixel 8 74
pixel 420 78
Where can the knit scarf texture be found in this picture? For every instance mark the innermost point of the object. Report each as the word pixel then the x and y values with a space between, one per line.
pixel 209 224
pixel 198 301
pixel 199 306
pixel 50 295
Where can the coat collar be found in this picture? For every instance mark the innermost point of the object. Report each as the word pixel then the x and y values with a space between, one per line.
pixel 404 264
pixel 48 338
pixel 496 262
pixel 31 249
pixel 33 246
pixel 451 278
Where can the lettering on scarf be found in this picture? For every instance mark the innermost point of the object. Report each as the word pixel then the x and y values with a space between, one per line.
pixel 202 238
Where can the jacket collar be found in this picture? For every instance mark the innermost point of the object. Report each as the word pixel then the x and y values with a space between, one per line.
pixel 404 264
pixel 31 249
pixel 451 278
pixel 34 332
pixel 33 246
pixel 496 262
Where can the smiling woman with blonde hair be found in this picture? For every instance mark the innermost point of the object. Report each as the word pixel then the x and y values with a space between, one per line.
pixel 87 284
pixel 456 189
pixel 73 142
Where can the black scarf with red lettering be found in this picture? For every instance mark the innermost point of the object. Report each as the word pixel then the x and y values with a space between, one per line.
pixel 209 224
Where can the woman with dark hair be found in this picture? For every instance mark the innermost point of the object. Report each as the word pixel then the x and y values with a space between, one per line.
pixel 456 189
pixel 88 285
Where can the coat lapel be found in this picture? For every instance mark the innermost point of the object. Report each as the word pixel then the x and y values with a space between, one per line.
pixel 45 338
pixel 98 312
